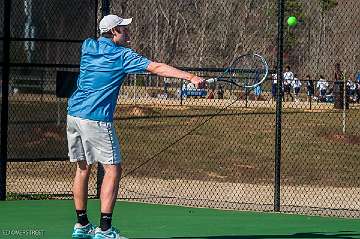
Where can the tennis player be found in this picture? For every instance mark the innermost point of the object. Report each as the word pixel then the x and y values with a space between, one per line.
pixel 90 131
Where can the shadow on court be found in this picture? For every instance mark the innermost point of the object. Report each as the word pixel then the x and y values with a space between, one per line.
pixel 314 235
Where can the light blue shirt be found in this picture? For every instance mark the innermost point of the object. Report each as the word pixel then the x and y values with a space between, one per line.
pixel 103 68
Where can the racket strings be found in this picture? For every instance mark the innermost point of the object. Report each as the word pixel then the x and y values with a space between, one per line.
pixel 247 71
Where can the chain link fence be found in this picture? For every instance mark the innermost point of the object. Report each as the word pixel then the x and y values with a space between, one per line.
pixel 45 37
pixel 321 146
pixel 208 148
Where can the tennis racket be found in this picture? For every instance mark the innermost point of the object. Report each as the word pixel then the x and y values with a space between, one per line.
pixel 248 71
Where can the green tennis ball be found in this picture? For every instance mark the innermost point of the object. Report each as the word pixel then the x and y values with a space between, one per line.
pixel 292 21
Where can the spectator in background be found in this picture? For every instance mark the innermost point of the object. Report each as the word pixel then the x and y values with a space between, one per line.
pixel 350 89
pixel 357 90
pixel 257 89
pixel 166 85
pixel 353 87
pixel 309 87
pixel 296 84
pixel 211 94
pixel 220 92
pixel 257 92
pixel 338 74
pixel 273 86
pixel 357 77
pixel 357 86
pixel 288 78
pixel 322 85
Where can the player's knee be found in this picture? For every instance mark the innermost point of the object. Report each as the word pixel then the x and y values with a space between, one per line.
pixel 83 168
pixel 113 170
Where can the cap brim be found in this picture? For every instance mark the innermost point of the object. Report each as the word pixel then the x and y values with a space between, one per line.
pixel 126 22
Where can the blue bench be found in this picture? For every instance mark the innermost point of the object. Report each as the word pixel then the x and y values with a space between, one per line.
pixel 194 93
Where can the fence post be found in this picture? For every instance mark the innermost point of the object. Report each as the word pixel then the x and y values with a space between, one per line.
pixel 279 70
pixel 105 10
pixel 5 99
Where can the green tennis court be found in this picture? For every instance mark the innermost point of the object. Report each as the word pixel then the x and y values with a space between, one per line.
pixel 55 219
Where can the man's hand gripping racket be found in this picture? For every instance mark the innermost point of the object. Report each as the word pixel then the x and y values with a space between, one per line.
pixel 198 82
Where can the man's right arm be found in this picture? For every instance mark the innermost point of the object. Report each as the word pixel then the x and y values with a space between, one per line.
pixel 165 70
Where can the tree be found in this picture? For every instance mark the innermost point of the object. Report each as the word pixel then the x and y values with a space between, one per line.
pixel 325 7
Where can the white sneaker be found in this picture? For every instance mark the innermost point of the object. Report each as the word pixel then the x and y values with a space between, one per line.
pixel 87 231
pixel 111 233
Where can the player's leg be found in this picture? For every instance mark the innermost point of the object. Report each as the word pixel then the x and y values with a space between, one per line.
pixel 290 94
pixel 83 228
pixel 322 95
pixel 102 145
pixel 80 188
pixel 108 195
pixel 110 187
pixel 273 92
pixel 297 94
pixel 287 92
pixel 283 94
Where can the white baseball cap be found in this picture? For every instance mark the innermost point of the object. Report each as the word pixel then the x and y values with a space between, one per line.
pixel 110 21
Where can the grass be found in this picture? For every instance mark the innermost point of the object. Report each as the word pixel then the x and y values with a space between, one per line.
pixel 235 146
pixel 240 147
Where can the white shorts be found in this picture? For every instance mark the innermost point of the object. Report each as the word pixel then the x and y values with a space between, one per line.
pixel 93 141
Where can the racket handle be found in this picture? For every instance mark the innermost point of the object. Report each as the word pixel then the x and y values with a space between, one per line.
pixel 211 80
